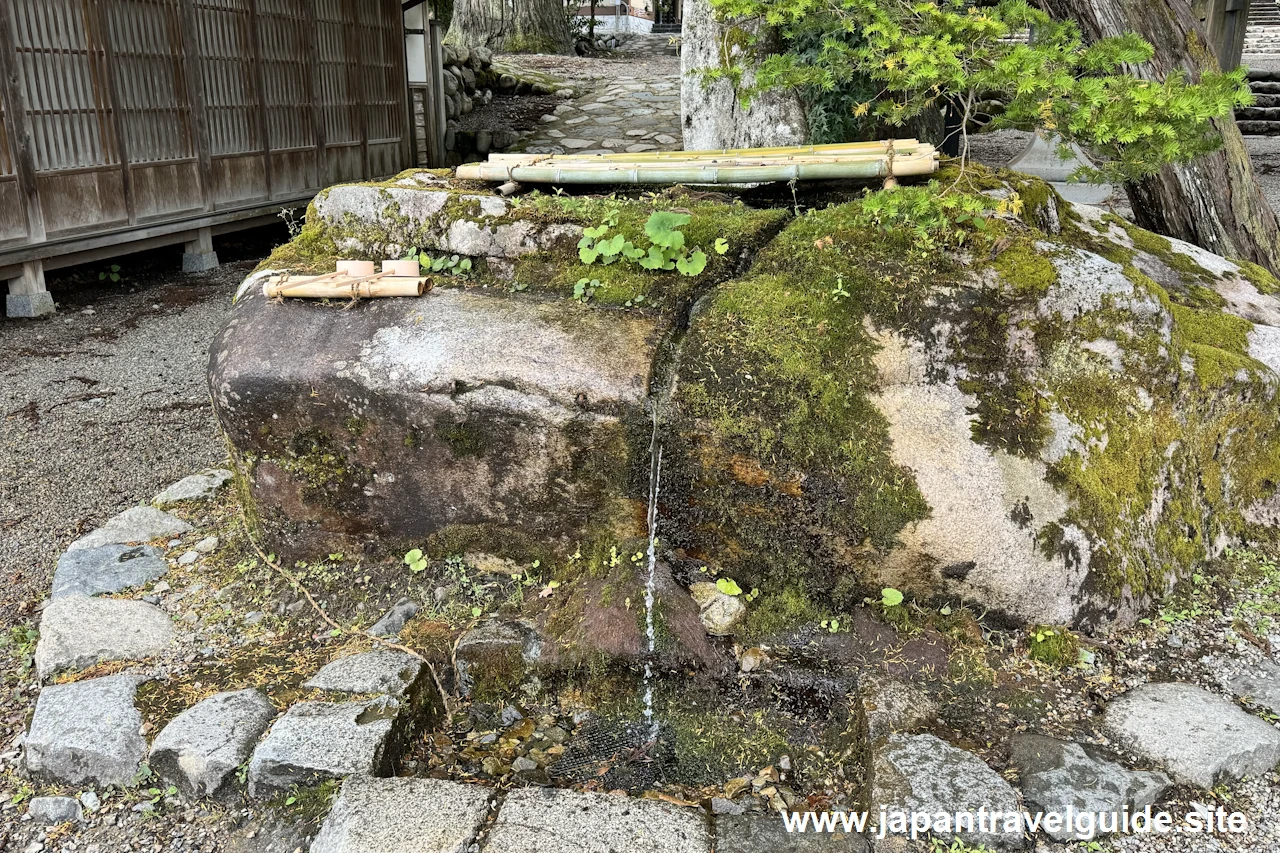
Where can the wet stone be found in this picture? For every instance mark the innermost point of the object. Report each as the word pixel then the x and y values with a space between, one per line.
pixel 136 524
pixel 86 732
pixel 315 741
pixel 77 632
pixel 393 621
pixel 548 820
pixel 108 569
pixel 200 750
pixel 383 671
pixel 403 816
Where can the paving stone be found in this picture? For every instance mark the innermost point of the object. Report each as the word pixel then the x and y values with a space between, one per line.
pixel 200 750
pixel 1198 737
pixel 384 671
pixel 767 834
pixel 403 816
pixel 556 134
pixel 77 631
pixel 314 741
pixel 550 820
pixel 640 146
pixel 1259 686
pixel 665 139
pixel 393 621
pixel 576 143
pixel 136 524
pixel 111 568
pixel 55 810
pixel 86 732
pixel 578 120
pixel 921 773
pixel 636 131
pixel 1056 775
pixel 196 487
pixel 613 143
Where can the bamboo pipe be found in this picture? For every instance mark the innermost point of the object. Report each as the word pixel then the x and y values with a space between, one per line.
pixel 693 173
pixel 898 145
pixel 329 287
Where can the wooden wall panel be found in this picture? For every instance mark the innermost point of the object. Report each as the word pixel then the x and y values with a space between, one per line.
pixel 82 200
pixel 128 113
pixel 163 190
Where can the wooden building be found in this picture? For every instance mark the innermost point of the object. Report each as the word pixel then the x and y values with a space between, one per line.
pixel 129 124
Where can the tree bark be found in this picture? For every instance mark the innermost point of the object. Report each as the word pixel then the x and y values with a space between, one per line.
pixel 526 26
pixel 1213 201
pixel 712 112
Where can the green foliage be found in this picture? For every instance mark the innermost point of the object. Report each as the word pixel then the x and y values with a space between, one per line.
pixel 890 597
pixel 1054 646
pixel 935 218
pixel 666 250
pixel 921 55
pixel 455 265
pixel 415 560
pixel 728 586
pixel 111 274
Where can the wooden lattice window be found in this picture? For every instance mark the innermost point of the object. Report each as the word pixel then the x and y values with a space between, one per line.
pixel 285 34
pixel 226 61
pixel 146 37
pixel 62 68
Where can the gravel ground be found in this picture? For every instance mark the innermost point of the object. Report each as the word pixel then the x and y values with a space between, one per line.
pixel 105 404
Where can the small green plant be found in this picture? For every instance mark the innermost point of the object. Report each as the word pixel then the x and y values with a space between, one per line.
pixel 890 597
pixel 22 640
pixel 830 625
pixel 455 265
pixel 728 586
pixel 1054 646
pixel 111 274
pixel 289 216
pixel 666 252
pixel 937 845
pixel 585 288
pixel 415 560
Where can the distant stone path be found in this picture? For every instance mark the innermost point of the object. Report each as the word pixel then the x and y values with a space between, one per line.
pixel 635 109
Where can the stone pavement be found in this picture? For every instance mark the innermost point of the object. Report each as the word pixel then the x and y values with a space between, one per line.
pixel 630 113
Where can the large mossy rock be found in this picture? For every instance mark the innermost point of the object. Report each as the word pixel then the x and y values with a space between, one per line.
pixel 1052 425
pixel 1054 421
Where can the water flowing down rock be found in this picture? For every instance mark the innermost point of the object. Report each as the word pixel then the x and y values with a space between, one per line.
pixel 201 749
pixel 77 631
pixel 1056 424
pixel 403 816
pixel 86 733
pixel 1198 737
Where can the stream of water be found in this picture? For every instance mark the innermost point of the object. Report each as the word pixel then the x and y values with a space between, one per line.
pixel 655 485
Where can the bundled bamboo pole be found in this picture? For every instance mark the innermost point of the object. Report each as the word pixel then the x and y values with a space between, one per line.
pixel 887 159
pixel 343 286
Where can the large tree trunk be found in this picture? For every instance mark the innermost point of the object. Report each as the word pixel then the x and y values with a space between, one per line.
pixel 525 26
pixel 1214 201
pixel 712 113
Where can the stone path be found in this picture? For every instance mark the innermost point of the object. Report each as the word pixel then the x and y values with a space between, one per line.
pixel 364 706
pixel 631 112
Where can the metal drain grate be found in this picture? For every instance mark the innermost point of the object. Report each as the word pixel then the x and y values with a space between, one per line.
pixel 616 754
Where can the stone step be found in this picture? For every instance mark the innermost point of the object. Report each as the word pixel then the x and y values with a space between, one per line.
pixel 1259 128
